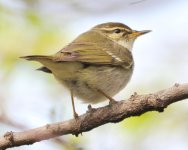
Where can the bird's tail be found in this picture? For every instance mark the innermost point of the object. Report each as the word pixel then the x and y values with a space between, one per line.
pixel 37 57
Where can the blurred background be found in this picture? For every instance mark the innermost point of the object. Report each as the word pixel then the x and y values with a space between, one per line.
pixel 30 98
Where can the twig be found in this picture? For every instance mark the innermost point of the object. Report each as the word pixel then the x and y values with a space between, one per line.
pixel 135 106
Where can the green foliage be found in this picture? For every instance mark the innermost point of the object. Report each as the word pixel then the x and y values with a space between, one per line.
pixel 141 123
pixel 26 33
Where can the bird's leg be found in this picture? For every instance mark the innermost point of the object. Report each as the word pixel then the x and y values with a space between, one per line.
pixel 73 106
pixel 112 101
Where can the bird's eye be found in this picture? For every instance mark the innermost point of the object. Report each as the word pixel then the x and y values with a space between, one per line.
pixel 117 31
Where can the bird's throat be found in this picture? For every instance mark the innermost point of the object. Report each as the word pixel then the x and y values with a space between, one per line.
pixel 128 44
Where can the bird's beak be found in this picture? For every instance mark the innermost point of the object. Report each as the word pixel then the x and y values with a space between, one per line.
pixel 139 33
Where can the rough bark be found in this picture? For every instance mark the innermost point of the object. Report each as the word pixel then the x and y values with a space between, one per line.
pixel 134 106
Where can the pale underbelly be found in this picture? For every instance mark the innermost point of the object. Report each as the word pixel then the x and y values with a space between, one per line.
pixel 108 79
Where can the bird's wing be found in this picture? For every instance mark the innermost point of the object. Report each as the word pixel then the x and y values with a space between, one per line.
pixel 94 51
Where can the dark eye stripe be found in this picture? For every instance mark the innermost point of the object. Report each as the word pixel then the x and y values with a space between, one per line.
pixel 117 30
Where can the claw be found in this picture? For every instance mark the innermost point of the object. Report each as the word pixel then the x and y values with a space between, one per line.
pixel 76 115
pixel 90 109
pixel 112 102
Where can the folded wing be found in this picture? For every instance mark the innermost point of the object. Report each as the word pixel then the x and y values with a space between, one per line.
pixel 95 51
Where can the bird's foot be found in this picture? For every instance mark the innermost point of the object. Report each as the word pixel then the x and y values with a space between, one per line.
pixel 90 109
pixel 133 96
pixel 76 115
pixel 112 102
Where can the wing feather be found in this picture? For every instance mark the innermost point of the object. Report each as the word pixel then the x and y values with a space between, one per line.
pixel 95 51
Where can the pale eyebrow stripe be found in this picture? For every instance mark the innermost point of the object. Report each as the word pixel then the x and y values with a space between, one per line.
pixel 112 29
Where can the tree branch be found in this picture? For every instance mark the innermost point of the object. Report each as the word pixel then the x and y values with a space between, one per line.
pixel 134 106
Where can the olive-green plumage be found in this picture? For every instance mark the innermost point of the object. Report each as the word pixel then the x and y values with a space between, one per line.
pixel 97 64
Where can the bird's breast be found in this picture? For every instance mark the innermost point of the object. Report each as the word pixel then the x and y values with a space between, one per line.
pixel 109 79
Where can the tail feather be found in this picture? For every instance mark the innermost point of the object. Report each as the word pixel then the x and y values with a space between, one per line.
pixel 36 57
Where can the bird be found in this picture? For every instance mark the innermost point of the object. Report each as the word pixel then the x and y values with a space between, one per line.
pixel 96 65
